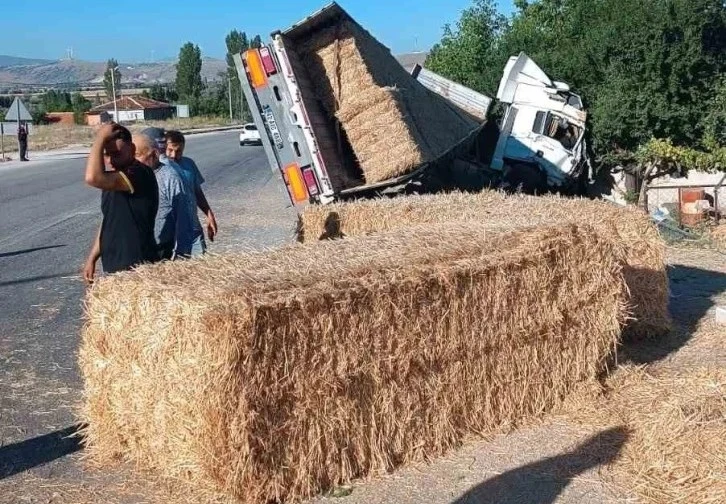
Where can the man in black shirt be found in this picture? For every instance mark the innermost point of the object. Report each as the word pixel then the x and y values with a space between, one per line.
pixel 129 203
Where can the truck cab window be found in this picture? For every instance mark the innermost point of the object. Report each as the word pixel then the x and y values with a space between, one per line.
pixel 557 128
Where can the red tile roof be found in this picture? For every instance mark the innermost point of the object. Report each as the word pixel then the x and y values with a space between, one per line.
pixel 130 103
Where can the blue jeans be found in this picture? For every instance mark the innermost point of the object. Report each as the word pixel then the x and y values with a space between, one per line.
pixel 199 246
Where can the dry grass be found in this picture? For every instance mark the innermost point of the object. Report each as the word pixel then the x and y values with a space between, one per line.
pixel 392 122
pixel 676 451
pixel 279 374
pixel 634 238
pixel 48 137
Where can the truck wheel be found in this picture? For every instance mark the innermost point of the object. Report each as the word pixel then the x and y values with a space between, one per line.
pixel 524 178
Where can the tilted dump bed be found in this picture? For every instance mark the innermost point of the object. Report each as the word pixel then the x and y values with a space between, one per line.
pixel 339 115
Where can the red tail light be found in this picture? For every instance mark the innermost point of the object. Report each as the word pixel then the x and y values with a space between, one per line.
pixel 310 182
pixel 267 61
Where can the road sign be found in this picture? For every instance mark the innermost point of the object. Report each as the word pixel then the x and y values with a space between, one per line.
pixel 18 112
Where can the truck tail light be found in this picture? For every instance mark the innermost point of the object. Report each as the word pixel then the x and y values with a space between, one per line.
pixel 258 77
pixel 310 182
pixel 268 63
pixel 296 183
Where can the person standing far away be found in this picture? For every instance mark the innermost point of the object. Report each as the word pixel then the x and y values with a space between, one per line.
pixel 193 180
pixel 129 201
pixel 173 229
pixel 23 141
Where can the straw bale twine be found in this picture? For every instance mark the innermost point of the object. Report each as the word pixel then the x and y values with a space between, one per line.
pixel 275 375
pixel 635 239
pixel 361 84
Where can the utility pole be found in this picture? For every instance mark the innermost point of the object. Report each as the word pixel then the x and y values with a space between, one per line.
pixel 113 90
pixel 229 92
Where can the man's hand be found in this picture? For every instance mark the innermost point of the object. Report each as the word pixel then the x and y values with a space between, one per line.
pixel 89 271
pixel 106 133
pixel 211 225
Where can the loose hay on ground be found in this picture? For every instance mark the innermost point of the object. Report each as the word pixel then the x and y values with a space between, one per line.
pixel 634 238
pixel 676 450
pixel 276 375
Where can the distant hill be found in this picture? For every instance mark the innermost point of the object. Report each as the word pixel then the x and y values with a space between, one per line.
pixel 23 71
pixel 49 73
pixel 6 61
pixel 410 60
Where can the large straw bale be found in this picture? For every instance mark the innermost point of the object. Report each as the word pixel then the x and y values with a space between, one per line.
pixel 634 238
pixel 392 122
pixel 275 375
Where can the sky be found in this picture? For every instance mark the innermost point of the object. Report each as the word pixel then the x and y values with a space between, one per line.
pixel 140 31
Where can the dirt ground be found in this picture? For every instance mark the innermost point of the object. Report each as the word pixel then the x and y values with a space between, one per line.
pixel 589 451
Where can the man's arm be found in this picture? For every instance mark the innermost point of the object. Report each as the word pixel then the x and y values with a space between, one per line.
pixel 203 205
pixel 89 269
pixel 96 175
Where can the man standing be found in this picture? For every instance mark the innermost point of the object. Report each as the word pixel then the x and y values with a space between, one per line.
pixel 193 180
pixel 129 203
pixel 23 141
pixel 173 229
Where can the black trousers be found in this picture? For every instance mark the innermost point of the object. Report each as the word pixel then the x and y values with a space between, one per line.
pixel 23 149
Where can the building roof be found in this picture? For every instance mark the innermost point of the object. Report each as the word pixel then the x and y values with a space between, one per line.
pixel 130 103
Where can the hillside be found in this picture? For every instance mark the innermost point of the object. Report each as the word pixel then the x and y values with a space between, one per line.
pixel 6 61
pixel 51 73
pixel 27 72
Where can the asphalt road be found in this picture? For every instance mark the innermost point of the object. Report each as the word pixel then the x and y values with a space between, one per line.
pixel 47 221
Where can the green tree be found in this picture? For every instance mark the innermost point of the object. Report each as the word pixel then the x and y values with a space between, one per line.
pixel 80 106
pixel 468 52
pixel 160 93
pixel 189 84
pixel 109 83
pixel 55 101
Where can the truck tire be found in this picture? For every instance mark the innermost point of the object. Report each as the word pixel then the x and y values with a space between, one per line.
pixel 524 178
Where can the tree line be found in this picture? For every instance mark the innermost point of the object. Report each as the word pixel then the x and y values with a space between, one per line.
pixel 651 72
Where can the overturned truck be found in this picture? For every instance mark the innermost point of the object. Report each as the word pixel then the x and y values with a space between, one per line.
pixel 340 118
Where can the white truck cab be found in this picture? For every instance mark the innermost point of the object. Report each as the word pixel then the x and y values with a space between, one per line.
pixel 543 123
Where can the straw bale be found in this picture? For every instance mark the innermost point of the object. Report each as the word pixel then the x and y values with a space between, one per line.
pixel 275 375
pixel 635 239
pixel 359 81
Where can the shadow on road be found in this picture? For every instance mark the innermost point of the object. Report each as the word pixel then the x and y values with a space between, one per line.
pixel 37 278
pixel 28 251
pixel 542 482
pixel 692 295
pixel 18 457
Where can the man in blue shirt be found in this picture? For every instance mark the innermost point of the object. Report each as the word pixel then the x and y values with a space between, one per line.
pixel 173 228
pixel 193 179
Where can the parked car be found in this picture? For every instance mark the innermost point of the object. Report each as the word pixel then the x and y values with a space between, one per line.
pixel 249 135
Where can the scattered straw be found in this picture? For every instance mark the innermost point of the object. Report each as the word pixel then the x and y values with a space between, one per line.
pixel 676 452
pixel 634 239
pixel 279 374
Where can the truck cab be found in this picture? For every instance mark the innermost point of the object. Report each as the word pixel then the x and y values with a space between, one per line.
pixel 543 124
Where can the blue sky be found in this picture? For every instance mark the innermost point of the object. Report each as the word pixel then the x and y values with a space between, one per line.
pixel 136 31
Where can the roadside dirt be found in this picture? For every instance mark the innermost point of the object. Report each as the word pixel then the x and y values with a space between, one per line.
pixel 561 459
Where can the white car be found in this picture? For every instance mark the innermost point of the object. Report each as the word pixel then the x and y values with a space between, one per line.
pixel 249 135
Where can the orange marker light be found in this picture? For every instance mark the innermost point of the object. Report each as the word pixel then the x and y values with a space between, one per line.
pixel 296 183
pixel 258 76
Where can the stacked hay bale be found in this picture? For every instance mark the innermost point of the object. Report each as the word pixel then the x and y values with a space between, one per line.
pixel 635 239
pixel 392 122
pixel 275 375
